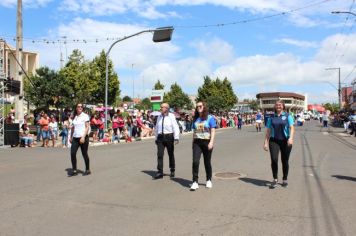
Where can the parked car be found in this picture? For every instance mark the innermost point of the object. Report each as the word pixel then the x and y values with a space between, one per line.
pixel 306 116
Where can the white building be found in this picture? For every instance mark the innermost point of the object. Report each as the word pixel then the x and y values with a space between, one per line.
pixel 353 95
pixel 30 62
pixel 294 102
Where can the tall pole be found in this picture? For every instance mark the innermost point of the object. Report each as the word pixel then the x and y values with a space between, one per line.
pixel 106 89
pixel 19 50
pixel 339 83
pixel 133 86
pixel 339 90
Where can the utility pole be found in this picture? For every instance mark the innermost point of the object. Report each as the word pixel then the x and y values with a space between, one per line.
pixel 133 87
pixel 339 87
pixel 19 50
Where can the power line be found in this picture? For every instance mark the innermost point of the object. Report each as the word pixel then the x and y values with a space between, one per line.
pixel 338 44
pixel 349 74
pixel 256 18
pixel 97 40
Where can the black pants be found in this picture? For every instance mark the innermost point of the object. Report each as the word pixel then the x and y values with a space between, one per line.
pixel 353 128
pixel 162 142
pixel 201 146
pixel 276 146
pixel 84 148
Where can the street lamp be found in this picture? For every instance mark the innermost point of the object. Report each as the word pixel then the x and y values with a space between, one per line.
pixel 339 88
pixel 343 12
pixel 161 34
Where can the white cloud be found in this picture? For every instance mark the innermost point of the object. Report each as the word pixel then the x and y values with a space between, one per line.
pixel 149 8
pixel 215 50
pixel 214 57
pixel 297 43
pixel 138 50
pixel 26 3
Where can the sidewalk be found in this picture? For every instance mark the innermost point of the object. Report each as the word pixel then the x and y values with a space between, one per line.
pixel 340 133
pixel 58 143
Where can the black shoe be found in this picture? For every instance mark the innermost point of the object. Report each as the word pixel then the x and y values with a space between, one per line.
pixel 173 174
pixel 87 172
pixel 73 173
pixel 284 183
pixel 158 176
pixel 273 184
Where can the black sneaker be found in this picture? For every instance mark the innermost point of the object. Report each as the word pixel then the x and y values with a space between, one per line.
pixel 87 172
pixel 284 183
pixel 73 173
pixel 173 174
pixel 158 176
pixel 273 184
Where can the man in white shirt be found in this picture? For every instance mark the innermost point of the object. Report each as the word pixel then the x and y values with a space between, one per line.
pixel 167 134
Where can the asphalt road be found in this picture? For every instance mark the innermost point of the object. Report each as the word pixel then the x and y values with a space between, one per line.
pixel 120 197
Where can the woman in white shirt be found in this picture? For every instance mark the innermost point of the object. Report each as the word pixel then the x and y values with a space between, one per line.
pixel 79 138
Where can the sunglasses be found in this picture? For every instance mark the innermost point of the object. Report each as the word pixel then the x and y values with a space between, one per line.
pixel 199 106
pixel 79 106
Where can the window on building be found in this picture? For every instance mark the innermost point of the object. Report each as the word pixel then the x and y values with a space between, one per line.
pixel 268 101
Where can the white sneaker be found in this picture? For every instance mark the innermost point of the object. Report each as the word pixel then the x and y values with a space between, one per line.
pixel 194 186
pixel 209 184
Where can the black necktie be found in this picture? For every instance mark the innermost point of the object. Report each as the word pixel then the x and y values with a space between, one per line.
pixel 163 123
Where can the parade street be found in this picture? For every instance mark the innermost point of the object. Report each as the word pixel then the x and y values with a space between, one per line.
pixel 121 198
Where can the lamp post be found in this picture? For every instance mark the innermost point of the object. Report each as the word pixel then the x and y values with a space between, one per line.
pixel 161 34
pixel 339 87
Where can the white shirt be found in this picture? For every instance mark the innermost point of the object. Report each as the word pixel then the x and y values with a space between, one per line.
pixel 170 125
pixel 79 125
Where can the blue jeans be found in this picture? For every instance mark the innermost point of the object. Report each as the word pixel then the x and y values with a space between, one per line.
pixel 64 137
pixel 101 134
pixel 39 133
pixel 45 134
pixel 27 140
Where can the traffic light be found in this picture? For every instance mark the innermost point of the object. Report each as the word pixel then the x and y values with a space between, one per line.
pixel 12 86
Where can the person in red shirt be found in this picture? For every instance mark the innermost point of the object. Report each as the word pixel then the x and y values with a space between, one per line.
pixel 121 123
pixel 100 126
pixel 115 127
pixel 44 123
pixel 94 128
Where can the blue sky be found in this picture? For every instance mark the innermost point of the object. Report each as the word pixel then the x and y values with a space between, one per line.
pixel 283 53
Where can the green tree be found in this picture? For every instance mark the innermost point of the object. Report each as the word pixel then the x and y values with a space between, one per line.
pixel 158 85
pixel 252 103
pixel 177 99
pixel 98 77
pixel 146 103
pixel 332 107
pixel 127 99
pixel 76 75
pixel 218 94
pixel 47 90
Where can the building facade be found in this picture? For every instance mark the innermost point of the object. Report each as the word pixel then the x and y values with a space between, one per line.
pixel 294 102
pixel 353 95
pixel 30 62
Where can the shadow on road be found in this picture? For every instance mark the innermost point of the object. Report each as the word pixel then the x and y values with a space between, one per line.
pixel 343 177
pixel 257 182
pixel 184 182
pixel 151 173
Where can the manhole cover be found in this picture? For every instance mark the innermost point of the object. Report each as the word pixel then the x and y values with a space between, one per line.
pixel 229 175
